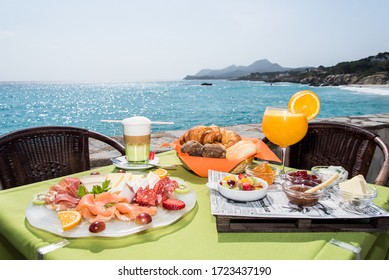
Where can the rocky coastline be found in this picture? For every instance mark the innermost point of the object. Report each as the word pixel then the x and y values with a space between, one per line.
pixel 373 70
pixel 316 77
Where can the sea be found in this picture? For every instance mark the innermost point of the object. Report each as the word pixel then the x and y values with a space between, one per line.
pixel 186 103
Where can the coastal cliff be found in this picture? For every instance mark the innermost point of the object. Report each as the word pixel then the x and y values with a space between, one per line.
pixel 370 70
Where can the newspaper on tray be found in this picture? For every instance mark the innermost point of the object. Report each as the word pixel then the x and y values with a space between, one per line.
pixel 276 205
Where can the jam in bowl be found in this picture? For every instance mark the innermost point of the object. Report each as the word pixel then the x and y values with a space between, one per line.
pixel 303 177
pixel 262 170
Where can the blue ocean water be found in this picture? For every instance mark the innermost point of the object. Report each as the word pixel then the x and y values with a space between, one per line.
pixel 187 103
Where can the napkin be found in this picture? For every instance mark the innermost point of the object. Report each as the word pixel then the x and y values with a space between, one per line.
pixel 201 165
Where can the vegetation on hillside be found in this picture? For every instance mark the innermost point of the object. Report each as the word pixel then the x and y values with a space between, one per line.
pixel 369 70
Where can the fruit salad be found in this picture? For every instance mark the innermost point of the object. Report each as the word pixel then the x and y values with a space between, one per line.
pixel 241 182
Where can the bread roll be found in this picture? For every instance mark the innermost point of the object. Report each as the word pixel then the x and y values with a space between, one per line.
pixel 192 148
pixel 214 151
pixel 241 150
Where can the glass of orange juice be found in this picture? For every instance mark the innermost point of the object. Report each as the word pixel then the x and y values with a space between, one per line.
pixel 283 128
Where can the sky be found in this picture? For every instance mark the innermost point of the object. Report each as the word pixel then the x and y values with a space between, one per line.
pixel 158 40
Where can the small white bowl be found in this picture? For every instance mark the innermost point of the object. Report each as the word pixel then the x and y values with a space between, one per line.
pixel 240 195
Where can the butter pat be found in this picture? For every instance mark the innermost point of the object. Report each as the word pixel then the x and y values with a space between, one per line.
pixel 356 185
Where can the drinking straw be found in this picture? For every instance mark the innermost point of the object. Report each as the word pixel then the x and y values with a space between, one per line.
pixel 152 122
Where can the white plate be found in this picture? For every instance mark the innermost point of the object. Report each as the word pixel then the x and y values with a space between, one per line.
pixel 41 217
pixel 123 164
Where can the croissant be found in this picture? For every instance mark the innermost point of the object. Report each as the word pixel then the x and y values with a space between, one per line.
pixel 210 135
pixel 229 138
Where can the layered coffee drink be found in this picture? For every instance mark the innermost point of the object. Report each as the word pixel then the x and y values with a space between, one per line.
pixel 137 135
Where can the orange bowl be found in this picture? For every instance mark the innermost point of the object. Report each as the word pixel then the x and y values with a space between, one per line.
pixel 201 165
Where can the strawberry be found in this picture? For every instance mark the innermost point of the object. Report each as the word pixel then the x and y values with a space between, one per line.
pixel 241 176
pixel 246 186
pixel 173 204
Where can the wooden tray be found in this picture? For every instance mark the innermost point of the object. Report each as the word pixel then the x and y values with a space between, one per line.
pixel 251 224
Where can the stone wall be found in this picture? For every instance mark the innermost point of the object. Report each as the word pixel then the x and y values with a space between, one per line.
pixel 378 123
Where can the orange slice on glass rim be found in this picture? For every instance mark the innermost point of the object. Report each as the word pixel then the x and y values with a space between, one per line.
pixel 69 219
pixel 306 102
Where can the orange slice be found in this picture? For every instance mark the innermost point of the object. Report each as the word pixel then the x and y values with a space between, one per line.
pixel 306 102
pixel 69 219
pixel 162 173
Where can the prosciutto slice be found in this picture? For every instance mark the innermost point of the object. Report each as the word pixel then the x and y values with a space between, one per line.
pixel 63 195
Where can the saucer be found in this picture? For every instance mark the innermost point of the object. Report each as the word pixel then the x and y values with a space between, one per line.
pixel 122 163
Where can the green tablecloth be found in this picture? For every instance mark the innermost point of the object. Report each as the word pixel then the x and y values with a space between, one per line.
pixel 193 237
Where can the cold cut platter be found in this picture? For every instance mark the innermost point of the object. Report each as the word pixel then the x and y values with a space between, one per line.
pixel 166 200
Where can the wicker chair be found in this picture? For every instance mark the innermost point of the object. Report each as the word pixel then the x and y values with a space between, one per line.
pixel 41 153
pixel 338 144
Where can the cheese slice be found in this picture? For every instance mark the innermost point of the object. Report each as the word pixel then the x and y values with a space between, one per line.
pixel 136 177
pixel 152 178
pixel 117 180
pixel 91 180
pixel 356 185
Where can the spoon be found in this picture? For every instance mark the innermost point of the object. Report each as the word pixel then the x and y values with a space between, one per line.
pixel 323 185
pixel 164 166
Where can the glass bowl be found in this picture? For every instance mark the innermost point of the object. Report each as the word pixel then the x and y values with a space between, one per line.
pixel 296 194
pixel 358 201
pixel 303 177
pixel 326 172
pixel 262 170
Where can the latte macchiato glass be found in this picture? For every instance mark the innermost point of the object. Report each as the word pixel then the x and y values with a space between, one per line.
pixel 137 134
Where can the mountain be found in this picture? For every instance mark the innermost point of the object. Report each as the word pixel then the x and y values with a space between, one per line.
pixel 233 71
pixel 370 70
